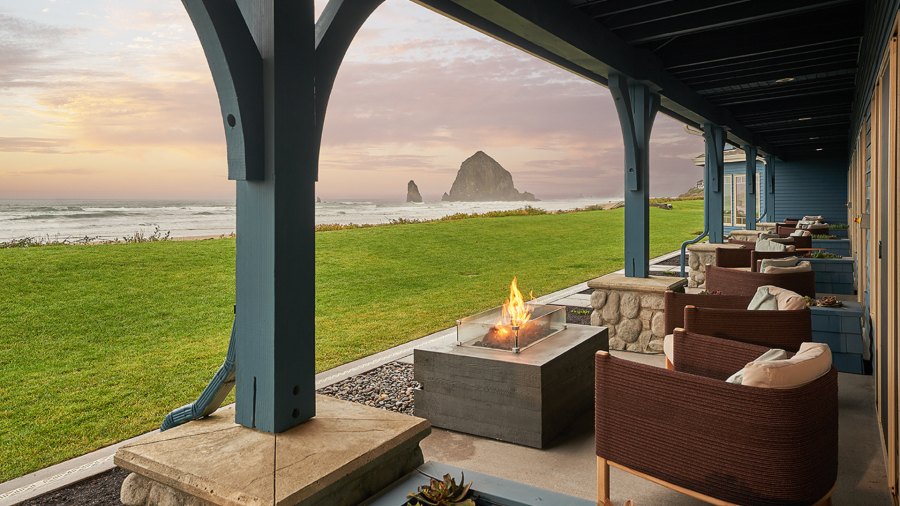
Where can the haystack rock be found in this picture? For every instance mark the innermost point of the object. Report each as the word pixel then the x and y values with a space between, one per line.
pixel 412 192
pixel 481 178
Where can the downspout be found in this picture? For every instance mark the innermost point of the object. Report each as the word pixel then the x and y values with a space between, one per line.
pixel 700 237
pixel 211 398
pixel 705 232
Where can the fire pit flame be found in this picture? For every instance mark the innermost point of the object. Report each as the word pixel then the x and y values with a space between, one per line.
pixel 515 313
pixel 514 326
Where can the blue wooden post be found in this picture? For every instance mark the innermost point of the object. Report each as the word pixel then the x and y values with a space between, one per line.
pixel 637 107
pixel 713 190
pixel 750 151
pixel 275 271
pixel 769 189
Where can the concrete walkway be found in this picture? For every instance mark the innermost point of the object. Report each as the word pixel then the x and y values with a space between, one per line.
pixel 569 465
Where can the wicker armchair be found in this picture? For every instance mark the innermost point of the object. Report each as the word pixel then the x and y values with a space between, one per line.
pixel 746 244
pixel 787 230
pixel 675 303
pixel 727 317
pixel 719 442
pixel 737 282
pixel 732 258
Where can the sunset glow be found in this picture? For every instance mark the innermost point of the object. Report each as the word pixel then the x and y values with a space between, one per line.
pixel 114 99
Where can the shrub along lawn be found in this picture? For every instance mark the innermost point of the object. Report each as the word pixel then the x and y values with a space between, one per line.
pixel 98 343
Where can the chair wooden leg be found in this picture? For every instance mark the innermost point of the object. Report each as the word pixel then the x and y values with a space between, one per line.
pixel 602 480
pixel 669 365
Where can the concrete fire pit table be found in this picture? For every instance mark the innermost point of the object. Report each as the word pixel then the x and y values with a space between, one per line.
pixel 526 398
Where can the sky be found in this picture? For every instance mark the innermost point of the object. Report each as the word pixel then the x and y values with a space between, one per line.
pixel 103 99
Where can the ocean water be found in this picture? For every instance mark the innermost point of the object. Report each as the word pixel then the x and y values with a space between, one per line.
pixel 116 219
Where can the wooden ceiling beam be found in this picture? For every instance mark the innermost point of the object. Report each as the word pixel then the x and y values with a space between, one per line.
pixel 639 32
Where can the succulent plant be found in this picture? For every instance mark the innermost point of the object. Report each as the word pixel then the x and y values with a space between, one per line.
pixel 714 292
pixel 443 493
pixel 829 302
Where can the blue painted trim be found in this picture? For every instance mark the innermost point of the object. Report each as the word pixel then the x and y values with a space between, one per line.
pixel 491 488
pixel 211 398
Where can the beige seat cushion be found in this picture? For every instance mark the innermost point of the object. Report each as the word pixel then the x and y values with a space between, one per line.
pixel 812 218
pixel 787 300
pixel 776 262
pixel 801 267
pixel 810 363
pixel 669 347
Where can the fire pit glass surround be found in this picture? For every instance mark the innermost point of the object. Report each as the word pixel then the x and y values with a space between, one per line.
pixel 490 329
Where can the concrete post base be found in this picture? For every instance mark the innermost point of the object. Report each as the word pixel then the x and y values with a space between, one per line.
pixel 633 309
pixel 344 455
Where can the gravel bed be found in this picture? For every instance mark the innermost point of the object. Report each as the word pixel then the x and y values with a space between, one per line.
pixel 100 490
pixel 675 260
pixel 388 387
pixel 573 316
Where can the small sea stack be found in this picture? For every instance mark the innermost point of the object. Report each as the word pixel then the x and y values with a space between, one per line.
pixel 412 192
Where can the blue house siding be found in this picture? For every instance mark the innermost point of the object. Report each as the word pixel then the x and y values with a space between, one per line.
pixel 815 187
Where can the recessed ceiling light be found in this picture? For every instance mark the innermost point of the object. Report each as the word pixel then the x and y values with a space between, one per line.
pixel 784 80
pixel 818 149
pixel 803 119
pixel 813 138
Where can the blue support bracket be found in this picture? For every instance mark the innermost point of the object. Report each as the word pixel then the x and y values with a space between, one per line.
pixel 637 107
pixel 714 177
pixel 213 395
pixel 750 172
pixel 237 70
pixel 335 29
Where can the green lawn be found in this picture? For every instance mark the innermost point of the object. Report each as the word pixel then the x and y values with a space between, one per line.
pixel 98 343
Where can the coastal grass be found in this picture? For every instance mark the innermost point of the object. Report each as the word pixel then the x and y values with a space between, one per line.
pixel 99 342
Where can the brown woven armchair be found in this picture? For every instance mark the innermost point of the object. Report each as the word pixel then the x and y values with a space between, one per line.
pixel 731 258
pixel 727 317
pixel 737 282
pixel 787 230
pixel 689 430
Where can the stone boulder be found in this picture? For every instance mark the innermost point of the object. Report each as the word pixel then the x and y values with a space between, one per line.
pixel 412 192
pixel 481 178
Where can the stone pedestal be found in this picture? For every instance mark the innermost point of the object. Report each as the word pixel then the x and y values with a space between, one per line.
pixel 747 235
pixel 633 310
pixel 344 455
pixel 701 255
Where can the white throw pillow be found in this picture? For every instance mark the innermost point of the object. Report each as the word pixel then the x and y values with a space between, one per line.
pixel 775 354
pixel 767 245
pixel 763 300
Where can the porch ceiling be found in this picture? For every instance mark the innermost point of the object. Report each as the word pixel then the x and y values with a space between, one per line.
pixel 777 74
pixel 785 70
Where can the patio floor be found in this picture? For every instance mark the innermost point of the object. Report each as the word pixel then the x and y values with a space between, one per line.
pixel 569 466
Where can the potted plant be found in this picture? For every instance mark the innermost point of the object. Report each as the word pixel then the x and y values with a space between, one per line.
pixel 443 493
